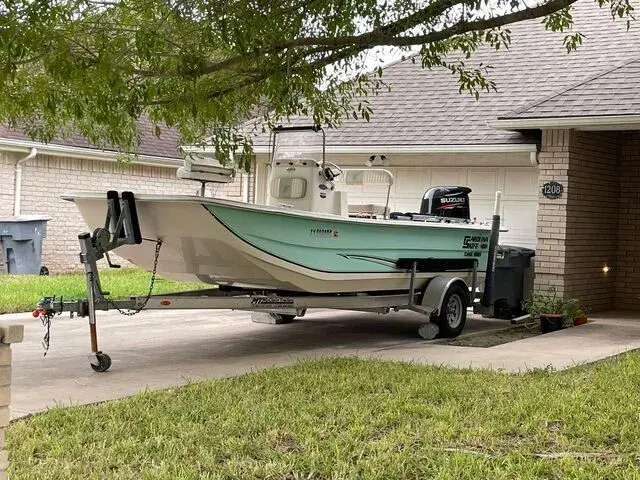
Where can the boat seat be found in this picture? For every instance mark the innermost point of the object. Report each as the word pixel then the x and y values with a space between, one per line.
pixel 205 169
pixel 436 264
pixel 369 210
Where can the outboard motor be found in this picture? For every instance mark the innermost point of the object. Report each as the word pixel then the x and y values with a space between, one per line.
pixel 450 202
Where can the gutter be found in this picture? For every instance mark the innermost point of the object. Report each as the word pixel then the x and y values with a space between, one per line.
pixel 593 122
pixel 399 149
pixel 17 184
pixel 85 153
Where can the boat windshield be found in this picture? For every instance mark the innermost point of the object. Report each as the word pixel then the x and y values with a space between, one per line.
pixel 298 144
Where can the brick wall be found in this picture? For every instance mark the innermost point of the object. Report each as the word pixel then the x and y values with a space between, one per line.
pixel 578 234
pixel 8 334
pixel 46 178
pixel 592 218
pixel 551 226
pixel 627 273
pixel 7 165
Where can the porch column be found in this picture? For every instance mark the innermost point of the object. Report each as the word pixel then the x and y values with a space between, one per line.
pixel 552 213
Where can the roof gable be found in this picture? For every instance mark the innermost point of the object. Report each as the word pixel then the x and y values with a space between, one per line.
pixel 614 91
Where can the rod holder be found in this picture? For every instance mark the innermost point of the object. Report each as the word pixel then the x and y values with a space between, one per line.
pixel 487 296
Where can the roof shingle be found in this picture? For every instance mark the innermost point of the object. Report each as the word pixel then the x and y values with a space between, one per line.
pixel 424 107
pixel 616 91
pixel 165 146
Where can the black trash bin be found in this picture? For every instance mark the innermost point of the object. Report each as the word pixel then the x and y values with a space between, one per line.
pixel 21 243
pixel 513 280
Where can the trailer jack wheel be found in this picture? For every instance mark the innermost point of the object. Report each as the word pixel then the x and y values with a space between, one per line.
pixel 101 363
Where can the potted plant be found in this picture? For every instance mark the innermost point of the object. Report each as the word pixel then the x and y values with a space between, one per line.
pixel 549 308
pixel 574 313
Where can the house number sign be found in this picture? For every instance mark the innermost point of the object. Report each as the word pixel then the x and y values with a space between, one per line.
pixel 552 190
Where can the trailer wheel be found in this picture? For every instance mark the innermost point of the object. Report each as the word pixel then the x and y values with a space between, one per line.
pixel 104 362
pixel 453 314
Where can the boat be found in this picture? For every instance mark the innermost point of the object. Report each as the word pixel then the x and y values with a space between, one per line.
pixel 305 248
pixel 304 239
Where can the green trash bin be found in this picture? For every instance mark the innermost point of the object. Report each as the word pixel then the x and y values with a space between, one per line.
pixel 21 243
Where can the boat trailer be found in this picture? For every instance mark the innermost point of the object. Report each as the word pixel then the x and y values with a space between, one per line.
pixel 444 300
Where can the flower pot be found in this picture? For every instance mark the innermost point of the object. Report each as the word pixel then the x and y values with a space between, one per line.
pixel 550 322
pixel 579 320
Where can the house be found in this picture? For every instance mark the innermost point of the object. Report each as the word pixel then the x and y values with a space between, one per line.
pixel 42 173
pixel 570 118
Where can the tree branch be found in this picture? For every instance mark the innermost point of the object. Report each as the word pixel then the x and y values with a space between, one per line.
pixel 377 38
pixel 432 10
pixel 386 35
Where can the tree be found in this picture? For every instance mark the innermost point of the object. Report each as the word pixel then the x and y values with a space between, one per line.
pixel 96 66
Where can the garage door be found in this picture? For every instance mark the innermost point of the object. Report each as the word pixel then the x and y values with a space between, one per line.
pixel 519 186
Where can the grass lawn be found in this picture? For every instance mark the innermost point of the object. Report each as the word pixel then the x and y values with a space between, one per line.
pixel 350 419
pixel 21 293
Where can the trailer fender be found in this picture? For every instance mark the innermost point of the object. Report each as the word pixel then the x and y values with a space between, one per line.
pixel 437 289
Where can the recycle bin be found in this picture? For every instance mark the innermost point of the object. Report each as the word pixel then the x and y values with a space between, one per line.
pixel 21 243
pixel 513 280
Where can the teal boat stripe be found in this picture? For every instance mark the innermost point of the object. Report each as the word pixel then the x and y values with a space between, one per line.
pixel 278 257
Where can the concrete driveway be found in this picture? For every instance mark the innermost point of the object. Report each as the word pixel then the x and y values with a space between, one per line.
pixel 163 349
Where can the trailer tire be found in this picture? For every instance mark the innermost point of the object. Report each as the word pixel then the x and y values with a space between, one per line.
pixel 453 312
pixel 104 362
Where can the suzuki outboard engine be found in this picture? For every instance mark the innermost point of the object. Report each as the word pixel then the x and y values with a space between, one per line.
pixel 450 202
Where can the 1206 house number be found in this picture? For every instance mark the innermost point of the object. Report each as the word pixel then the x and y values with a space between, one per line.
pixel 552 190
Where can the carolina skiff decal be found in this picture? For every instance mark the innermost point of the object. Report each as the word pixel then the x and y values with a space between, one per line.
pixel 475 242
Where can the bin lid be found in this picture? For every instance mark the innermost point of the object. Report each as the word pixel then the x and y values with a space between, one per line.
pixel 25 218
pixel 515 250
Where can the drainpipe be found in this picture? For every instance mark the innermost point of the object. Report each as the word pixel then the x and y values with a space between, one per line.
pixel 244 179
pixel 17 186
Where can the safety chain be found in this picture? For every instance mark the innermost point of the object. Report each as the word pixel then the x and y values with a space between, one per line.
pixel 151 283
pixel 46 316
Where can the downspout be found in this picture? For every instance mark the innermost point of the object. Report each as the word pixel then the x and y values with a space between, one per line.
pixel 17 186
pixel 244 179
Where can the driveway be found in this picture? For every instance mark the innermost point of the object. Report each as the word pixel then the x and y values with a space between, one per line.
pixel 162 349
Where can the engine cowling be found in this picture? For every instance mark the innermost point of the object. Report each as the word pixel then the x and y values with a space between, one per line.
pixel 449 202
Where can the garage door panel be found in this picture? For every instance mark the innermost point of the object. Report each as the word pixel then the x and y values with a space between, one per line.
pixel 481 209
pixel 521 182
pixel 411 180
pixel 519 218
pixel 446 177
pixel 483 182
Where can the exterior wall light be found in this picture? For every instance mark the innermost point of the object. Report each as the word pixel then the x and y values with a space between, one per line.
pixel 605 269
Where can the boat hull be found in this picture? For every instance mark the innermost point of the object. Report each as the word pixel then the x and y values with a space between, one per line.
pixel 231 243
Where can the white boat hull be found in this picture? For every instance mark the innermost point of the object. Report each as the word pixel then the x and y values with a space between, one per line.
pixel 196 247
